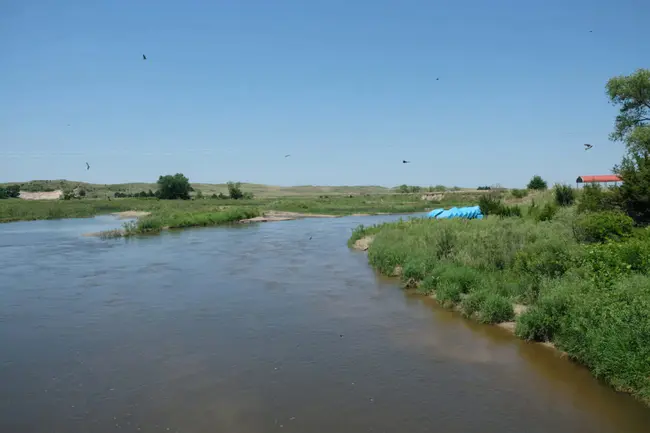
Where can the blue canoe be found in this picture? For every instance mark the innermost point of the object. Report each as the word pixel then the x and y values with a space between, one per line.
pixel 470 212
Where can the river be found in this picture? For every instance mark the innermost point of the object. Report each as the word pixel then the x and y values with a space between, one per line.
pixel 256 329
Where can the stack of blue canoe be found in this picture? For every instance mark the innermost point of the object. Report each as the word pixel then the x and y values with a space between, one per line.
pixel 470 212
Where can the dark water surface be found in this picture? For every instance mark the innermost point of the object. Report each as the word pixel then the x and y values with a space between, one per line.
pixel 258 329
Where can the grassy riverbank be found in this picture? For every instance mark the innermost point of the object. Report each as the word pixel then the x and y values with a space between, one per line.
pixel 579 280
pixel 152 224
pixel 26 210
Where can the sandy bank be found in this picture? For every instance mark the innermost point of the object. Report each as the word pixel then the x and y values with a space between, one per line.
pixel 363 244
pixel 130 214
pixel 50 195
pixel 273 215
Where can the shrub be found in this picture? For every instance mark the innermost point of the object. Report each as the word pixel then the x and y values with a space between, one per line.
pixel 564 195
pixel 537 183
pixel 593 198
pixel 428 285
pixel 465 278
pixel 609 332
pixel 496 309
pixel 545 258
pixel 448 293
pixel 546 213
pixel 234 190
pixel 489 204
pixel 445 242
pixel 519 193
pixel 543 320
pixel 603 226
pixel 509 211
pixel 471 304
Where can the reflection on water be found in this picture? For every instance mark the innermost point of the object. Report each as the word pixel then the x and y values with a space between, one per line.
pixel 259 329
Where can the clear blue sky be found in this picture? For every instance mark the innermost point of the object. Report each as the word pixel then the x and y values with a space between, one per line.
pixel 348 88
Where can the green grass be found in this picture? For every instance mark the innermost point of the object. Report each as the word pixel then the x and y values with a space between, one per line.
pixel 585 278
pixel 175 220
pixel 25 210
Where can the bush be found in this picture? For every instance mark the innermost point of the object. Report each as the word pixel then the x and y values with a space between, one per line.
pixel 542 321
pixel 603 226
pixel 171 187
pixel 489 205
pixel 564 195
pixel 448 293
pixel 465 278
pixel 546 258
pixel 519 193
pixel 594 198
pixel 609 332
pixel 537 183
pixel 471 304
pixel 509 211
pixel 234 190
pixel 546 213
pixel 496 309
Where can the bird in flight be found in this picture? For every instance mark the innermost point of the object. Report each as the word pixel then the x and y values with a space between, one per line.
pixel 286 156
pixel 437 78
pixel 87 166
pixel 144 57
pixel 405 161
pixel 588 146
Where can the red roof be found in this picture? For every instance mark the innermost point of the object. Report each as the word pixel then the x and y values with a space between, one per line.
pixel 600 178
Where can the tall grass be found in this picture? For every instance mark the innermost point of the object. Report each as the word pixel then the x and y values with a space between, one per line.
pixel 584 277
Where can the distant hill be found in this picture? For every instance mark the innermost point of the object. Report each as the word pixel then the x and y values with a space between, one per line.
pixel 102 190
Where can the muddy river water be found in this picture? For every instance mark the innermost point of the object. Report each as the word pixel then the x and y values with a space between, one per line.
pixel 258 329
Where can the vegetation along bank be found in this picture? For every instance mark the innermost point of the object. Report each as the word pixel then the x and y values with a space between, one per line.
pixel 570 267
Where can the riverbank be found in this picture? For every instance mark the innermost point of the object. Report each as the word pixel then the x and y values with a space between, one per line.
pixel 552 282
pixel 338 205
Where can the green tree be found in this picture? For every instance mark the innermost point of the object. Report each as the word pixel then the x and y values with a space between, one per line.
pixel 234 190
pixel 404 189
pixel 537 183
pixel 3 193
pixel 13 191
pixel 632 94
pixel 171 187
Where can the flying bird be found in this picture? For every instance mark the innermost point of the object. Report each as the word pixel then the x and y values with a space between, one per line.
pixel 437 78
pixel 87 166
pixel 405 161
pixel 588 146
pixel 286 156
pixel 144 57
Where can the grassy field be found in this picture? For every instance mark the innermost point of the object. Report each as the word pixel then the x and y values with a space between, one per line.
pixel 259 190
pixel 580 280
pixel 22 210
pixel 108 190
